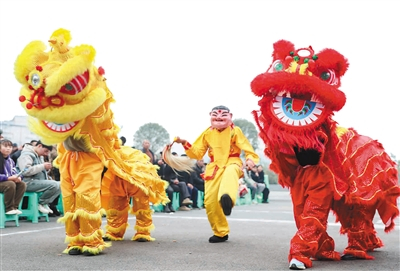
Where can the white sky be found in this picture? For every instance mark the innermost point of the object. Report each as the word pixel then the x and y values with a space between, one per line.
pixel 170 62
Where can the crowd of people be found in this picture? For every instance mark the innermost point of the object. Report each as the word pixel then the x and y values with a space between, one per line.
pixel 28 168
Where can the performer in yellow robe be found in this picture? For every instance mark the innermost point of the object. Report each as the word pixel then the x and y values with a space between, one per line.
pixel 224 143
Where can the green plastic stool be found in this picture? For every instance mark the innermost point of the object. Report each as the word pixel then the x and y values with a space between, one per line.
pixel 200 199
pixel 3 216
pixel 32 212
pixel 175 200
pixel 60 206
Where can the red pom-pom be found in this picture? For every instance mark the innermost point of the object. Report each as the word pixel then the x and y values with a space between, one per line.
pixel 39 68
pixel 101 71
pixel 30 87
pixel 22 98
pixel 29 105
pixel 27 77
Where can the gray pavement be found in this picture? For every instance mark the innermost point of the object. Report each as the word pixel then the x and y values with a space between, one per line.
pixel 259 240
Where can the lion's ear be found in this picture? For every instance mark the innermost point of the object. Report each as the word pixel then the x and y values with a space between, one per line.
pixel 33 55
pixel 282 49
pixel 331 59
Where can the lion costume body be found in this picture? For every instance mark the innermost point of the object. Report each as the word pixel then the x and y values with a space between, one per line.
pixel 326 167
pixel 68 103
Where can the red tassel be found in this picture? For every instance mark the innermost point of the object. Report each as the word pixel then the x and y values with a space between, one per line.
pixel 101 71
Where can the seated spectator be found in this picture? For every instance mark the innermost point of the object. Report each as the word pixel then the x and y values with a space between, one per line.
pixel 14 155
pixel 34 142
pixel 197 174
pixel 177 186
pixel 261 177
pixel 55 175
pixel 14 148
pixel 258 184
pixel 249 182
pixel 11 184
pixel 35 174
pixel 193 191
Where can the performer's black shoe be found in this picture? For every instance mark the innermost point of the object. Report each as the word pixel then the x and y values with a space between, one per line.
pixel 88 253
pixel 74 251
pixel 226 204
pixel 141 240
pixel 346 257
pixel 106 239
pixel 216 239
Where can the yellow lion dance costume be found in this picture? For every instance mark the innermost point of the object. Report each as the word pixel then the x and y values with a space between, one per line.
pixel 68 103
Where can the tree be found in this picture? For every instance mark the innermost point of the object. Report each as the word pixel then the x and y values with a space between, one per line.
pixel 249 130
pixel 155 133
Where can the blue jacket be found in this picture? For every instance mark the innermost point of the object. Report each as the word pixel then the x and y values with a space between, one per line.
pixel 8 170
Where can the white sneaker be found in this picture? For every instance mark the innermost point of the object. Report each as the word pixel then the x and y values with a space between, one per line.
pixel 48 209
pixel 296 265
pixel 43 209
pixel 18 212
pixel 12 212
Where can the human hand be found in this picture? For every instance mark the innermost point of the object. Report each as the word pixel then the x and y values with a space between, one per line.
pixel 47 165
pixel 176 181
pixel 15 179
pixel 190 185
pixel 177 139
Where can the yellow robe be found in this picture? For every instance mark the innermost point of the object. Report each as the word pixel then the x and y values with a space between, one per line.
pixel 223 172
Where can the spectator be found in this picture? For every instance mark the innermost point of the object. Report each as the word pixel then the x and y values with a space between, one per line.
pixel 14 156
pixel 177 186
pixel 35 174
pixel 258 183
pixel 55 175
pixel 123 140
pixel 146 150
pixel 34 142
pixel 197 175
pixel 11 184
pixel 161 165
pixel 14 148
pixel 188 179
pixel 261 176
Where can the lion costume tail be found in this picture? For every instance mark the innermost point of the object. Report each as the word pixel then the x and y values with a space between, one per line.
pixel 176 162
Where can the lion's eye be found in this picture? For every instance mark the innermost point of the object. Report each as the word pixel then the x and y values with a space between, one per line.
pixel 277 66
pixel 35 79
pixel 325 76
pixel 329 76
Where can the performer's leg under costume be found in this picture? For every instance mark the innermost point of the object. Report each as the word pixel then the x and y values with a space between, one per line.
pixel 116 194
pixel 312 199
pixel 357 222
pixel 226 182
pixel 80 188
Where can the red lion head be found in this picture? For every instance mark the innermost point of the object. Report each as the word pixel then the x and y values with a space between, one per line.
pixel 299 93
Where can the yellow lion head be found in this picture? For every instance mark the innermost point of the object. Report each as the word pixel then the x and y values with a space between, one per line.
pixel 61 87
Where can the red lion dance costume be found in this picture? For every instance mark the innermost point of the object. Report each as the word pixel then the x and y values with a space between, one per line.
pixel 326 167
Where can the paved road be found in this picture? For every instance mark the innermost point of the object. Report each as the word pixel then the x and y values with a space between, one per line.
pixel 259 240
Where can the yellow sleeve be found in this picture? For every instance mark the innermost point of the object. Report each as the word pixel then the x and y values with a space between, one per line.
pixel 243 143
pixel 199 147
